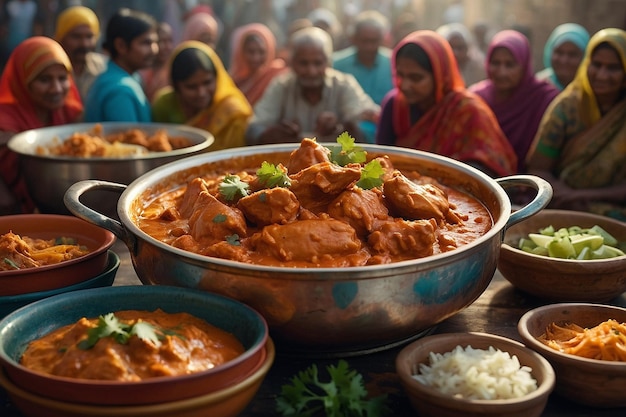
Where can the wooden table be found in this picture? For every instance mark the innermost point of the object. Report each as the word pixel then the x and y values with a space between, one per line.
pixel 496 311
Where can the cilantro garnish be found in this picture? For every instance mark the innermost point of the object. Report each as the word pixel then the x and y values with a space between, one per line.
pixel 371 175
pixel 272 175
pixel 343 396
pixel 110 326
pixel 233 239
pixel 220 218
pixel 11 263
pixel 348 152
pixel 232 187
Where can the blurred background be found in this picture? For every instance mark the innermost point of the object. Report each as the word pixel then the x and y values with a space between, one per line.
pixel 536 18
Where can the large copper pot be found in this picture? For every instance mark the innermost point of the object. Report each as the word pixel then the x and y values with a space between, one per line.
pixel 324 310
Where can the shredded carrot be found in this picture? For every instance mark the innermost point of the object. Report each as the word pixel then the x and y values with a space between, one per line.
pixel 606 341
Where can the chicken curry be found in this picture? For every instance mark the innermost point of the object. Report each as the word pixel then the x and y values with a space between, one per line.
pixel 20 252
pixel 132 345
pixel 315 212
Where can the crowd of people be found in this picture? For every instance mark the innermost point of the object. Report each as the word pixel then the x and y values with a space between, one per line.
pixel 479 102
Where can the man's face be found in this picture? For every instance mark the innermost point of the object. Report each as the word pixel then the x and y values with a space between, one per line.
pixel 309 63
pixel 141 52
pixel 367 40
pixel 78 42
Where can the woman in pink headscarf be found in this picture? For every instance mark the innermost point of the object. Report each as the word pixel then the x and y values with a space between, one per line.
pixel 515 95
pixel 254 63
pixel 202 26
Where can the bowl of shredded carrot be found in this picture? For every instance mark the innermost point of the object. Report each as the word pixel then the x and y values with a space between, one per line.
pixel 586 345
pixel 43 252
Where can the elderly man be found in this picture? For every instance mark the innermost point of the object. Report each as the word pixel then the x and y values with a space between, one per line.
pixel 312 99
pixel 77 30
pixel 367 59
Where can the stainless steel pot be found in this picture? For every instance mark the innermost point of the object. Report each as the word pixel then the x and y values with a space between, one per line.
pixel 324 310
pixel 48 177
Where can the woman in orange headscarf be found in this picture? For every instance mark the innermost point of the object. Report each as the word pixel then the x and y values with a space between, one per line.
pixel 36 90
pixel 203 95
pixel 254 63
pixel 429 109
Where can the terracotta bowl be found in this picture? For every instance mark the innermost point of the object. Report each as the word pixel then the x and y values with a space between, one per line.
pixel 10 303
pixel 585 381
pixel 39 318
pixel 563 279
pixel 227 402
pixel 50 277
pixel 429 402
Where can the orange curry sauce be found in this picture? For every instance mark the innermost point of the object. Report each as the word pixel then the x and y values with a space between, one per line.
pixel 191 345
pixel 321 220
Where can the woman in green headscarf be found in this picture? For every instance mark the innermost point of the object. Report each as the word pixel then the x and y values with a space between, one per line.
pixel 563 53
pixel 580 146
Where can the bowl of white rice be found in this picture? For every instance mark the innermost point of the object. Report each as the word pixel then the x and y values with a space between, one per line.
pixel 474 374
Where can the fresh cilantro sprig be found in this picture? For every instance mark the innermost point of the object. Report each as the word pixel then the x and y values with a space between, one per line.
pixel 348 152
pixel 343 396
pixel 110 326
pixel 371 175
pixel 232 187
pixel 272 175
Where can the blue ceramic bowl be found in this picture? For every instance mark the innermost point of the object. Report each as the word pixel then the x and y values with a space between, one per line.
pixel 40 318
pixel 10 303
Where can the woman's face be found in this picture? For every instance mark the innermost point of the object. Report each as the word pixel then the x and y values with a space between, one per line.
pixel 504 71
pixel 416 83
pixel 565 61
pixel 196 92
pixel 605 72
pixel 460 49
pixel 254 52
pixel 49 89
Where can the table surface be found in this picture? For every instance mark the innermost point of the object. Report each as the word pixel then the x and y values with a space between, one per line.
pixel 496 311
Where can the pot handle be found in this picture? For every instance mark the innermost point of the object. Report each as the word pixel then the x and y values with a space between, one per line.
pixel 73 204
pixel 541 200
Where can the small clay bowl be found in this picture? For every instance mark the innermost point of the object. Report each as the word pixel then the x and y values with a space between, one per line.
pixel 591 382
pixel 430 402
pixel 62 274
pixel 563 280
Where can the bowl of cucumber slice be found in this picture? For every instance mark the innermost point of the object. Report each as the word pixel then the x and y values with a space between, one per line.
pixel 563 255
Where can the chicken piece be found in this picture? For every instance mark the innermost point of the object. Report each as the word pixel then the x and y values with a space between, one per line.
pixel 132 136
pixel 306 240
pixel 226 250
pixel 179 142
pixel 364 210
pixel 212 220
pixel 270 206
pixel 318 185
pixel 193 190
pixel 15 253
pixel 405 239
pixel 415 201
pixel 309 153
pixel 159 142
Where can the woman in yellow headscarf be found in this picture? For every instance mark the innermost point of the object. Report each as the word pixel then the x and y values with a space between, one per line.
pixel 580 146
pixel 202 94
pixel 36 90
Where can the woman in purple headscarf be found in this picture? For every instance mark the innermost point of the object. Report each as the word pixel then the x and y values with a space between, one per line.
pixel 515 95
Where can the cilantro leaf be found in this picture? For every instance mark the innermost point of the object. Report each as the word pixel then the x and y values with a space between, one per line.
pixel 371 175
pixel 272 175
pixel 348 152
pixel 233 239
pixel 344 395
pixel 220 218
pixel 11 263
pixel 146 331
pixel 232 187
pixel 110 326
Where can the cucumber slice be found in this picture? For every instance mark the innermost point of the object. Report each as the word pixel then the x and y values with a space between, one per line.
pixel 608 238
pixel 540 239
pixel 562 248
pixel 592 242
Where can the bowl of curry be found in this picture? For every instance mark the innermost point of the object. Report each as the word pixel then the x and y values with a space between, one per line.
pixel 131 345
pixel 43 252
pixel 54 158
pixel 339 258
